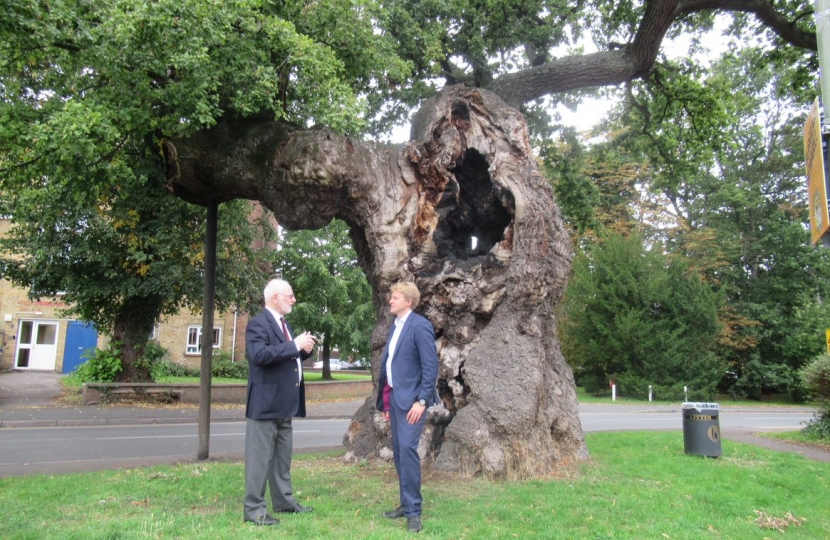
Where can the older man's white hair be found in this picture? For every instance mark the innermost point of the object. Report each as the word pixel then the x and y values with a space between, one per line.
pixel 275 286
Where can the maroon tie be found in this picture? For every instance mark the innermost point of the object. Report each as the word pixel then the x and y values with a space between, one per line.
pixel 285 329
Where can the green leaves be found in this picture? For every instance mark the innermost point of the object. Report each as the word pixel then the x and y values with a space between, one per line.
pixel 334 297
pixel 635 315
pixel 87 76
pixel 718 148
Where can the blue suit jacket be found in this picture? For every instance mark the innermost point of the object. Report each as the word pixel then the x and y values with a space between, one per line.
pixel 414 365
pixel 274 389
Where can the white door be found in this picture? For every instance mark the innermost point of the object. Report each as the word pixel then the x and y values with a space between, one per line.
pixel 37 345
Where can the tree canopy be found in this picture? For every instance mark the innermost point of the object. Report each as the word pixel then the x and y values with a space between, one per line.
pixel 87 94
pixel 334 297
pixel 639 318
pixel 730 187
pixel 125 257
pixel 96 73
pixel 80 80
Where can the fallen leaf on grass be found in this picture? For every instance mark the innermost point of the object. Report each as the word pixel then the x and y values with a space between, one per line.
pixel 766 521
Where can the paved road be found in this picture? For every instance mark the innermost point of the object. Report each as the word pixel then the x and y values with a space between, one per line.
pixel 66 449
pixel 39 436
pixel 63 449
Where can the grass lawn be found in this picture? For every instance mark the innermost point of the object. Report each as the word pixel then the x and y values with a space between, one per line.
pixel 638 485
pixel 799 438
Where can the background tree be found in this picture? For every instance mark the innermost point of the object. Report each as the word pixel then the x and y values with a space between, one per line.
pixel 640 318
pixel 604 188
pixel 335 299
pixel 737 187
pixel 126 257
pixel 733 189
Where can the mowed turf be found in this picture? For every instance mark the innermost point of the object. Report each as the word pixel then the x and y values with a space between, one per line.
pixel 638 485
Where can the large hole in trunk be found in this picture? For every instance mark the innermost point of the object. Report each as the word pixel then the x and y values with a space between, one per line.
pixel 472 218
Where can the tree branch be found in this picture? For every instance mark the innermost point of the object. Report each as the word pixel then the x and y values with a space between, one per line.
pixel 636 59
pixel 787 30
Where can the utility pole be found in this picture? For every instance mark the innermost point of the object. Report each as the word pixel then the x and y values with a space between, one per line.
pixel 816 131
pixel 822 14
pixel 205 376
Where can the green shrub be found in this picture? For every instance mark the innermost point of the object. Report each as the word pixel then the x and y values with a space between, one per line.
pixel 758 378
pixel 154 353
pixel 595 384
pixel 224 367
pixel 169 368
pixel 819 427
pixel 101 365
pixel 162 366
pixel 815 376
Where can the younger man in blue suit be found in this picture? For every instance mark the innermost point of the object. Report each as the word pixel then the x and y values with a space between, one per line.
pixel 406 388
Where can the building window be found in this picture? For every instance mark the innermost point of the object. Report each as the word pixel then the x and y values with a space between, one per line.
pixel 194 339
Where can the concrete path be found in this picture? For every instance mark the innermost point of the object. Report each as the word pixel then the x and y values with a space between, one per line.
pixel 28 388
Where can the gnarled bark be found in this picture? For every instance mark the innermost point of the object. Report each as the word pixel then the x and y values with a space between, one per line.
pixel 463 211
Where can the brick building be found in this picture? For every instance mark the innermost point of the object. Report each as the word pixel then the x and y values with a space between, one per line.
pixel 33 334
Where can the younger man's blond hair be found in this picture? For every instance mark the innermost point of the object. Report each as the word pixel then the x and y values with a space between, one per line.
pixel 409 291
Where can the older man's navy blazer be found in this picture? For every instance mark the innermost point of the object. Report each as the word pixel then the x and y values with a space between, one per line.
pixel 274 386
pixel 414 365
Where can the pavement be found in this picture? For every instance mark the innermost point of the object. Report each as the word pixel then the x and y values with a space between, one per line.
pixel 33 399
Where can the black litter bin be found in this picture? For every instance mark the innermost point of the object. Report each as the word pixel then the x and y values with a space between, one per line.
pixel 701 429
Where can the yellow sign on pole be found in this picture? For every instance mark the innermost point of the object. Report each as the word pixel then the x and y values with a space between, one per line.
pixel 827 334
pixel 816 183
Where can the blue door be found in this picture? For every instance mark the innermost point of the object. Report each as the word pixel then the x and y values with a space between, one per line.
pixel 80 336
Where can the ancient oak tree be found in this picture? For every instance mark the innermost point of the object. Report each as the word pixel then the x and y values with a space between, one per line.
pixel 462 210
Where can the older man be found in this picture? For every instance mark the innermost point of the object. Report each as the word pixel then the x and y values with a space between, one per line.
pixel 276 394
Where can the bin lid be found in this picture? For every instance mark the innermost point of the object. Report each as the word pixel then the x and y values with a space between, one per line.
pixel 697 405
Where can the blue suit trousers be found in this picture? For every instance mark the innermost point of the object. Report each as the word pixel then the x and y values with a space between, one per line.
pixel 405 438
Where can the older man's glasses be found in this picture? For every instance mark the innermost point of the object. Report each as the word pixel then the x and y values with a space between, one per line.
pixel 287 295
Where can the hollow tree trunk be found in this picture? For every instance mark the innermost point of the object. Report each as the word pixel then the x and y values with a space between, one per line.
pixel 463 211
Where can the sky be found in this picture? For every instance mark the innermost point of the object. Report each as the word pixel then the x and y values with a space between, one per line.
pixel 591 111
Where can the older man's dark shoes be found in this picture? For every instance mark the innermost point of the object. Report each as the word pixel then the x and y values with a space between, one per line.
pixel 299 509
pixel 264 521
pixel 398 512
pixel 268 521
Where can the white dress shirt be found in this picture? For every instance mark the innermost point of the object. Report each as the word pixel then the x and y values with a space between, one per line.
pixel 279 319
pixel 399 321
